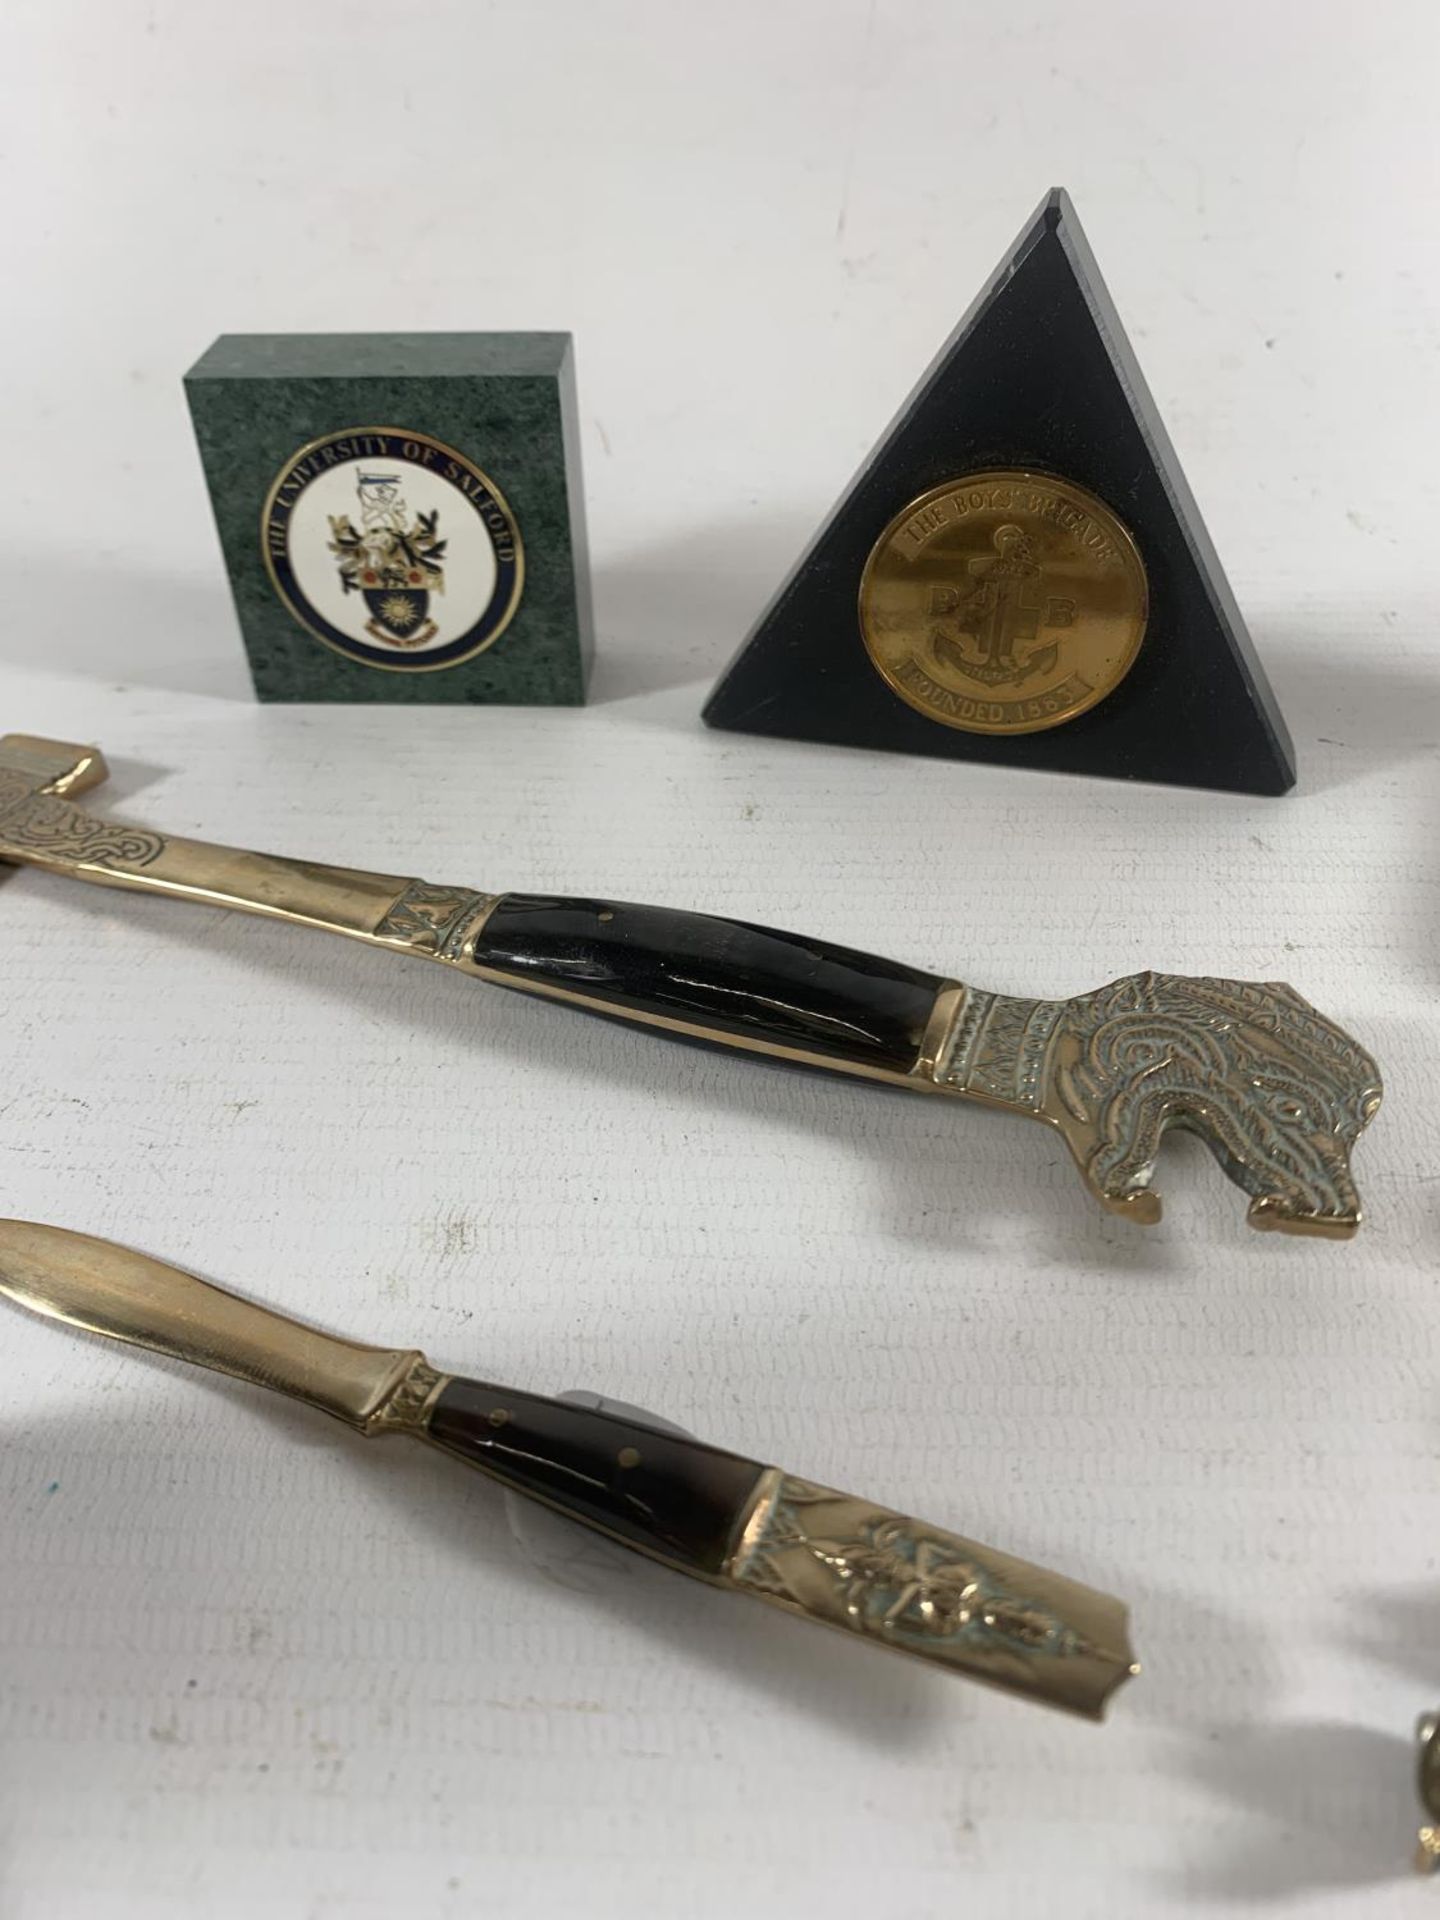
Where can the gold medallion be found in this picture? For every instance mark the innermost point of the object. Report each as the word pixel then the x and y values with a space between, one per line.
pixel 1004 602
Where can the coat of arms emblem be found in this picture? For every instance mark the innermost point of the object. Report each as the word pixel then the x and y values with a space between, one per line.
pixel 394 562
pixel 392 548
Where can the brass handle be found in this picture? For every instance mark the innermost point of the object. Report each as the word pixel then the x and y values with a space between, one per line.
pixel 903 1584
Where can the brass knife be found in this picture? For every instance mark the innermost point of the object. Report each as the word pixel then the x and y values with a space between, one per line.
pixel 702 1510
pixel 1277 1092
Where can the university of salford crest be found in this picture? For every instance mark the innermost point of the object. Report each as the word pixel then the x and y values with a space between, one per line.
pixel 392 548
pixel 396 564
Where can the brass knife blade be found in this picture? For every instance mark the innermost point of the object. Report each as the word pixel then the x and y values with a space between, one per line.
pixel 104 1288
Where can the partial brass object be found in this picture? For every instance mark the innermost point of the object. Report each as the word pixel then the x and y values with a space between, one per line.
pixel 716 1516
pixel 1427 1781
pixel 1279 1093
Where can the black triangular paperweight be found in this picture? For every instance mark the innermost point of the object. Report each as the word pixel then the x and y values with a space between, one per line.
pixel 1038 377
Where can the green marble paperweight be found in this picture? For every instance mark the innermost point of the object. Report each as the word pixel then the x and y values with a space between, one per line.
pixel 401 514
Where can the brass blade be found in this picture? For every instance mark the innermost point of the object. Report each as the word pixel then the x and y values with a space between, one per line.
pixel 109 1289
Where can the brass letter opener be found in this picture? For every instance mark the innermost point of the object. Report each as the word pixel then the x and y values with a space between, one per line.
pixel 715 1515
pixel 1277 1092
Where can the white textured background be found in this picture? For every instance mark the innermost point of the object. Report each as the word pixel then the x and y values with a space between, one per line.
pixel 249 1667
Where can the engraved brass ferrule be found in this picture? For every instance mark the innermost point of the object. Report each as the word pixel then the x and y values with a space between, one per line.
pixel 904 1584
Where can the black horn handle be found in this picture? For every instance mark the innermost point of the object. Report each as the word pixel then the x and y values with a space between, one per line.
pixel 661 1492
pixel 712 978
